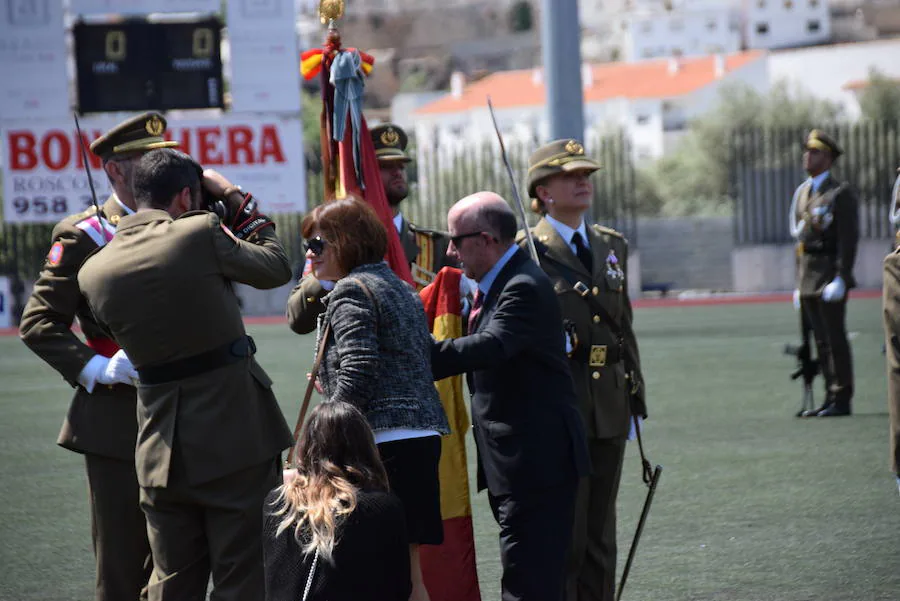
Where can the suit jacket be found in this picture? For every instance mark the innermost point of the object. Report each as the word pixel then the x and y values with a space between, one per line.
pixel 426 251
pixel 98 423
pixel 830 236
pixel 602 390
pixel 527 428
pixel 163 289
pixel 892 348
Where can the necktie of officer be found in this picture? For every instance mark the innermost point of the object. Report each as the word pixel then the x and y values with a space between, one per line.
pixel 583 252
pixel 477 303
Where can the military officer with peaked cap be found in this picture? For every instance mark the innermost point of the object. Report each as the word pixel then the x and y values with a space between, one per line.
pixel 587 264
pixel 825 223
pixel 425 249
pixel 101 422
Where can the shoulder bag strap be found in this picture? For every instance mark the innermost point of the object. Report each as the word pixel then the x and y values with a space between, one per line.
pixel 304 407
pixel 312 574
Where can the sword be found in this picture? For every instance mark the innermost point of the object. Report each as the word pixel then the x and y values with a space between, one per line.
pixel 87 168
pixel 651 479
pixel 515 190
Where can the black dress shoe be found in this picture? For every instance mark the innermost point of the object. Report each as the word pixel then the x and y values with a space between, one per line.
pixel 834 411
pixel 814 412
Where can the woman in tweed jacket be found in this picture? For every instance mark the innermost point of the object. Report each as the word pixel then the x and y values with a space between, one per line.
pixel 378 358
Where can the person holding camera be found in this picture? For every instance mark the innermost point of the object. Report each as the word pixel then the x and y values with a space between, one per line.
pixel 101 422
pixel 210 431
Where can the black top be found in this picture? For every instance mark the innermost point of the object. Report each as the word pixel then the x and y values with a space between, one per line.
pixel 370 560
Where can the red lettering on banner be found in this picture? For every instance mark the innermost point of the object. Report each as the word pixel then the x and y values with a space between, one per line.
pixel 96 162
pixel 21 151
pixel 208 146
pixel 239 139
pixel 270 145
pixel 63 151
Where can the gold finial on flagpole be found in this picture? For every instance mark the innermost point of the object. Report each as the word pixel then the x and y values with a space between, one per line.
pixel 331 10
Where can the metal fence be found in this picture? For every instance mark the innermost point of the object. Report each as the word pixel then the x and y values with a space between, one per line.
pixel 766 167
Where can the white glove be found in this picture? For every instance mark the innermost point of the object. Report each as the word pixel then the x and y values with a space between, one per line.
pixel 834 291
pixel 632 433
pixel 118 370
pixel 796 300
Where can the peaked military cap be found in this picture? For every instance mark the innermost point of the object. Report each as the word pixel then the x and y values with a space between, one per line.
pixel 819 140
pixel 143 132
pixel 558 156
pixel 390 142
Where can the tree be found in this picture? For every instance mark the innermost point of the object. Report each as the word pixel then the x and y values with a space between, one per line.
pixel 880 100
pixel 694 178
pixel 521 17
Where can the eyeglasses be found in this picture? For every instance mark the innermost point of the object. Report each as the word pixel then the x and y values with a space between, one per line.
pixel 460 237
pixel 316 246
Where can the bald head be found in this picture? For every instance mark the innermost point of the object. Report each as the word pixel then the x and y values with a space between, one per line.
pixel 482 228
pixel 487 212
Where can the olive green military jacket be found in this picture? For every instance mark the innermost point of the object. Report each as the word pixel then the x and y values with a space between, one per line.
pixel 163 289
pixel 829 238
pixel 426 251
pixel 602 388
pixel 104 422
pixel 892 349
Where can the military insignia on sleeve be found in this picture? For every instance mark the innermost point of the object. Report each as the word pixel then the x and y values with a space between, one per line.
pixel 154 126
pixel 55 254
pixel 390 137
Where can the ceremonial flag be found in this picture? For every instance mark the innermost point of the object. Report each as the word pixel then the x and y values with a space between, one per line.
pixel 348 155
pixel 449 569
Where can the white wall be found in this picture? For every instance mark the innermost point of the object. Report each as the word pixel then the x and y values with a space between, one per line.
pixel 786 23
pixel 824 71
pixel 685 32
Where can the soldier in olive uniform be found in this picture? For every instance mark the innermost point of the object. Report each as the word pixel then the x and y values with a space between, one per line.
pixel 209 427
pixel 425 249
pixel 825 222
pixel 587 265
pixel 101 421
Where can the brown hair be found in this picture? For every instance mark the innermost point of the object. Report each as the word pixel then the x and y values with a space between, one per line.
pixel 336 457
pixel 352 228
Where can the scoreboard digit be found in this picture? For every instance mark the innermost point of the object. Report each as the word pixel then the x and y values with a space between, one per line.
pixel 139 65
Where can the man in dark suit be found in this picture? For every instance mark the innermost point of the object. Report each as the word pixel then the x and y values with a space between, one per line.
pixel 426 250
pixel 825 223
pixel 210 429
pixel 529 434
pixel 101 422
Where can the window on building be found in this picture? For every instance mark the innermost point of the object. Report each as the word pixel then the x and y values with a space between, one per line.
pixel 813 3
pixel 762 28
pixel 646 26
pixel 711 24
pixel 788 4
pixel 647 53
pixel 761 3
pixel 812 26
pixel 677 52
pixel 642 119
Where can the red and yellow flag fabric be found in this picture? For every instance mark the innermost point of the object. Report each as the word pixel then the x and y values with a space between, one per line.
pixel 449 569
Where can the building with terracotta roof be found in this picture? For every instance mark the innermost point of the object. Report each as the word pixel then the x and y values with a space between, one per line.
pixel 652 101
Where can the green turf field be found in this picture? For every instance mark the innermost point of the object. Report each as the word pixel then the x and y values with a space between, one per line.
pixel 754 505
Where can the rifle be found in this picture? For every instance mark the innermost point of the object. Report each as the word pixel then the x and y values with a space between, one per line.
pixel 807 367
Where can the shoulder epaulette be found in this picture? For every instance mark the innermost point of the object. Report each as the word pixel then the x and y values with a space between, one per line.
pixel 602 229
pixel 89 212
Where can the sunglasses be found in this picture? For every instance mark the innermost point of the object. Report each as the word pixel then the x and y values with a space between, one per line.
pixel 316 246
pixel 460 237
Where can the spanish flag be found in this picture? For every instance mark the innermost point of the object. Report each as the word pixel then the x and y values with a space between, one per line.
pixel 449 569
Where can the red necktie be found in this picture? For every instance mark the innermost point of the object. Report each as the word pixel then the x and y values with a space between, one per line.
pixel 475 310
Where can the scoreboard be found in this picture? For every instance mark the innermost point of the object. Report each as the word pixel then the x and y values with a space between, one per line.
pixel 138 65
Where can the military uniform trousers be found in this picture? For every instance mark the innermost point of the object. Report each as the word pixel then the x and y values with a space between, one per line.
pixel 591 569
pixel 118 529
pixel 213 528
pixel 828 322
